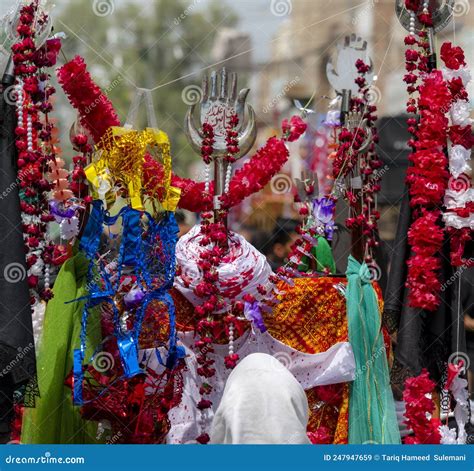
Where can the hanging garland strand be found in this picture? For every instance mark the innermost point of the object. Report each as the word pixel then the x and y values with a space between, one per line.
pixel 36 151
pixel 427 178
pixel 459 196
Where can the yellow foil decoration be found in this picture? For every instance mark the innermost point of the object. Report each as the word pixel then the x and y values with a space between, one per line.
pixel 119 157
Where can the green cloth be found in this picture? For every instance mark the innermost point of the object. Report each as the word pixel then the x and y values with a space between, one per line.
pixel 372 417
pixel 55 419
pixel 322 252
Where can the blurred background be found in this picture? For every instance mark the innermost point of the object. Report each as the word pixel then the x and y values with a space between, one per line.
pixel 279 48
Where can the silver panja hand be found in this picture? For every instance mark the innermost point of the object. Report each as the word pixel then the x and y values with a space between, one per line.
pixel 342 75
pixel 218 104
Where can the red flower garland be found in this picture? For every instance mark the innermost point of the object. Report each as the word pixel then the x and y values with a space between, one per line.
pixel 426 431
pixel 95 109
pixel 428 177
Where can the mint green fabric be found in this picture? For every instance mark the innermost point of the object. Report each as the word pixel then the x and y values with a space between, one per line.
pixel 55 419
pixel 372 417
pixel 322 252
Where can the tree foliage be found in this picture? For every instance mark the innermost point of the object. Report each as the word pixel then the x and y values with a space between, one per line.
pixel 146 44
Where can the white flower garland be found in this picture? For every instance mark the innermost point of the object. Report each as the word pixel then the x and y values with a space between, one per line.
pixel 460 191
pixel 458 389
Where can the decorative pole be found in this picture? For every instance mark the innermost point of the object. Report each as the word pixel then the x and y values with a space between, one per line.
pixel 219 104
pixel 342 77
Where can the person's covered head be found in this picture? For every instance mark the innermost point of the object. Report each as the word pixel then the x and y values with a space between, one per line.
pixel 262 403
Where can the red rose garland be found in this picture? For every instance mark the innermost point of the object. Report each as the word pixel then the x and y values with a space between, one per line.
pixel 251 178
pixel 96 112
pixel 418 405
pixel 427 178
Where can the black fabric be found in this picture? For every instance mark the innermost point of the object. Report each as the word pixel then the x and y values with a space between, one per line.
pixel 17 353
pixel 393 299
pixel 425 339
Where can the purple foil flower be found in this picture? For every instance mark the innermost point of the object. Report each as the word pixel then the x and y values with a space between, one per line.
pixel 323 212
pixel 61 212
pixel 253 313
pixel 323 209
pixel 133 298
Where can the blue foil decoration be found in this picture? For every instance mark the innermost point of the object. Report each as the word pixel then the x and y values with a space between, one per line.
pixel 128 349
pixel 78 376
pixel 152 259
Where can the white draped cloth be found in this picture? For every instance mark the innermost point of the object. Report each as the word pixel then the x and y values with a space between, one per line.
pixel 262 403
pixel 240 271
pixel 336 365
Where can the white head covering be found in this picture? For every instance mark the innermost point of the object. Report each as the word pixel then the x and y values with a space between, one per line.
pixel 240 271
pixel 263 403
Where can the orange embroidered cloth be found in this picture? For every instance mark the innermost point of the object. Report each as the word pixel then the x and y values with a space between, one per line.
pixel 311 317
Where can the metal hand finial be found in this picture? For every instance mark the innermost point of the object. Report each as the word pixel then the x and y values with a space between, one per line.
pixel 343 74
pixel 218 104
